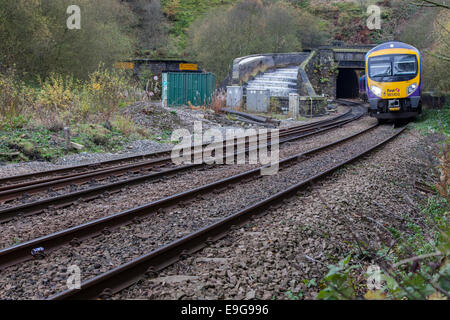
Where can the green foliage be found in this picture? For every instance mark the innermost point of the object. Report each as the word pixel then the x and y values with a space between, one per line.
pixel 434 121
pixel 293 296
pixel 106 90
pixel 183 13
pixel 275 105
pixel 151 83
pixel 422 277
pixel 32 118
pixel 151 27
pixel 249 27
pixel 14 100
pixel 310 283
pixel 36 40
pixel 40 143
pixel 429 32
pixel 339 285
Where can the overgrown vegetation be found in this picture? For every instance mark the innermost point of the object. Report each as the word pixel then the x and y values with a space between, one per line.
pixel 32 118
pixel 432 121
pixel 415 264
pixel 49 75
pixel 35 38
pixel 415 267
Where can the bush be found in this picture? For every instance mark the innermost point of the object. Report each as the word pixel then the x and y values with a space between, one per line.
pixel 14 100
pixel 151 84
pixel 414 266
pixel 106 90
pixel 62 100
pixel 219 101
pixel 59 99
pixel 125 125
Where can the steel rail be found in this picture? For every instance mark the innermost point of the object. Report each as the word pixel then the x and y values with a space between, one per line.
pixel 63 201
pixel 22 252
pixel 139 167
pixel 121 277
pixel 6 183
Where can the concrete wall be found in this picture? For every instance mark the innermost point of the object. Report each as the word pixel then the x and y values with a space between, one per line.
pixel 305 87
pixel 245 68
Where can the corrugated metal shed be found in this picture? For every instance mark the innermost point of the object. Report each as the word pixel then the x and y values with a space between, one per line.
pixel 184 88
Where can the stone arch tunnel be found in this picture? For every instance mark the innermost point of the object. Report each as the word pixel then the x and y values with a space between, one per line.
pixel 347 83
pixel 351 65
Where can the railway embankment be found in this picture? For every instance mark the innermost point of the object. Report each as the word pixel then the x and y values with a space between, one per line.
pixel 372 210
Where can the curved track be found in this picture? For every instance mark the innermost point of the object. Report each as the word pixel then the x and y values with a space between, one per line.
pixel 115 280
pixel 150 160
pixel 133 174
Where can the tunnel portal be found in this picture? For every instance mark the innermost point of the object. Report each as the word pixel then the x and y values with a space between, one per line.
pixel 347 84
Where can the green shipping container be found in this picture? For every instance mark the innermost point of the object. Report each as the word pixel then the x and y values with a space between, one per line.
pixel 180 88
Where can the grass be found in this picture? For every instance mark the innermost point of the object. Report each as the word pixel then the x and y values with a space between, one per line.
pixel 182 13
pixel 40 143
pixel 434 121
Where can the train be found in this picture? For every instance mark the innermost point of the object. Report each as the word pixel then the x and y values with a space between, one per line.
pixel 362 88
pixel 393 81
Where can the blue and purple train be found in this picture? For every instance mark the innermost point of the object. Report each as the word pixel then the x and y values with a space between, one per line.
pixel 393 81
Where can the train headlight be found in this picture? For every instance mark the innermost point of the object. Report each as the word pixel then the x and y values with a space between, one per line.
pixel 376 91
pixel 412 88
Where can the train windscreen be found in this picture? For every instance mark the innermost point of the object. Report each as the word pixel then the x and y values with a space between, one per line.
pixel 405 65
pixel 395 67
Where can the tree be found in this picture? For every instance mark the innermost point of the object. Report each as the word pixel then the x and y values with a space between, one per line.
pixel 35 37
pixel 249 27
pixel 429 32
pixel 151 26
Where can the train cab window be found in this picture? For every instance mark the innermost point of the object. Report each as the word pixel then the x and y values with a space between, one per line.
pixel 394 67
pixel 380 67
pixel 405 65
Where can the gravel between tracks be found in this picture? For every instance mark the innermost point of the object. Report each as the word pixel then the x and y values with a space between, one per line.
pixel 100 254
pixel 288 247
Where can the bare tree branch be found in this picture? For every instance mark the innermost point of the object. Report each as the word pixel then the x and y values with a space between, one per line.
pixel 438 56
pixel 431 4
pixel 421 257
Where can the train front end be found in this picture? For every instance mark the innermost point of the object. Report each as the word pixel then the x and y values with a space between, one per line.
pixel 393 73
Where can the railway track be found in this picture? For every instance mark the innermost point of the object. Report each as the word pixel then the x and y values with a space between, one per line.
pixel 117 279
pixel 135 177
pixel 75 235
pixel 127 274
pixel 128 163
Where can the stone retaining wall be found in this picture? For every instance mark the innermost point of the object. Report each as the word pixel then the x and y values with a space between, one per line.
pixel 322 72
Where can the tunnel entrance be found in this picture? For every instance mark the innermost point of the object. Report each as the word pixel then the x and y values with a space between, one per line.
pixel 347 85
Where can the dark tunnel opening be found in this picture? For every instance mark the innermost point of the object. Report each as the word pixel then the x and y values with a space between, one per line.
pixel 347 85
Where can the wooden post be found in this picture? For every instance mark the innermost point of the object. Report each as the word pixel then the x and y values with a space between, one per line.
pixel 67 137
